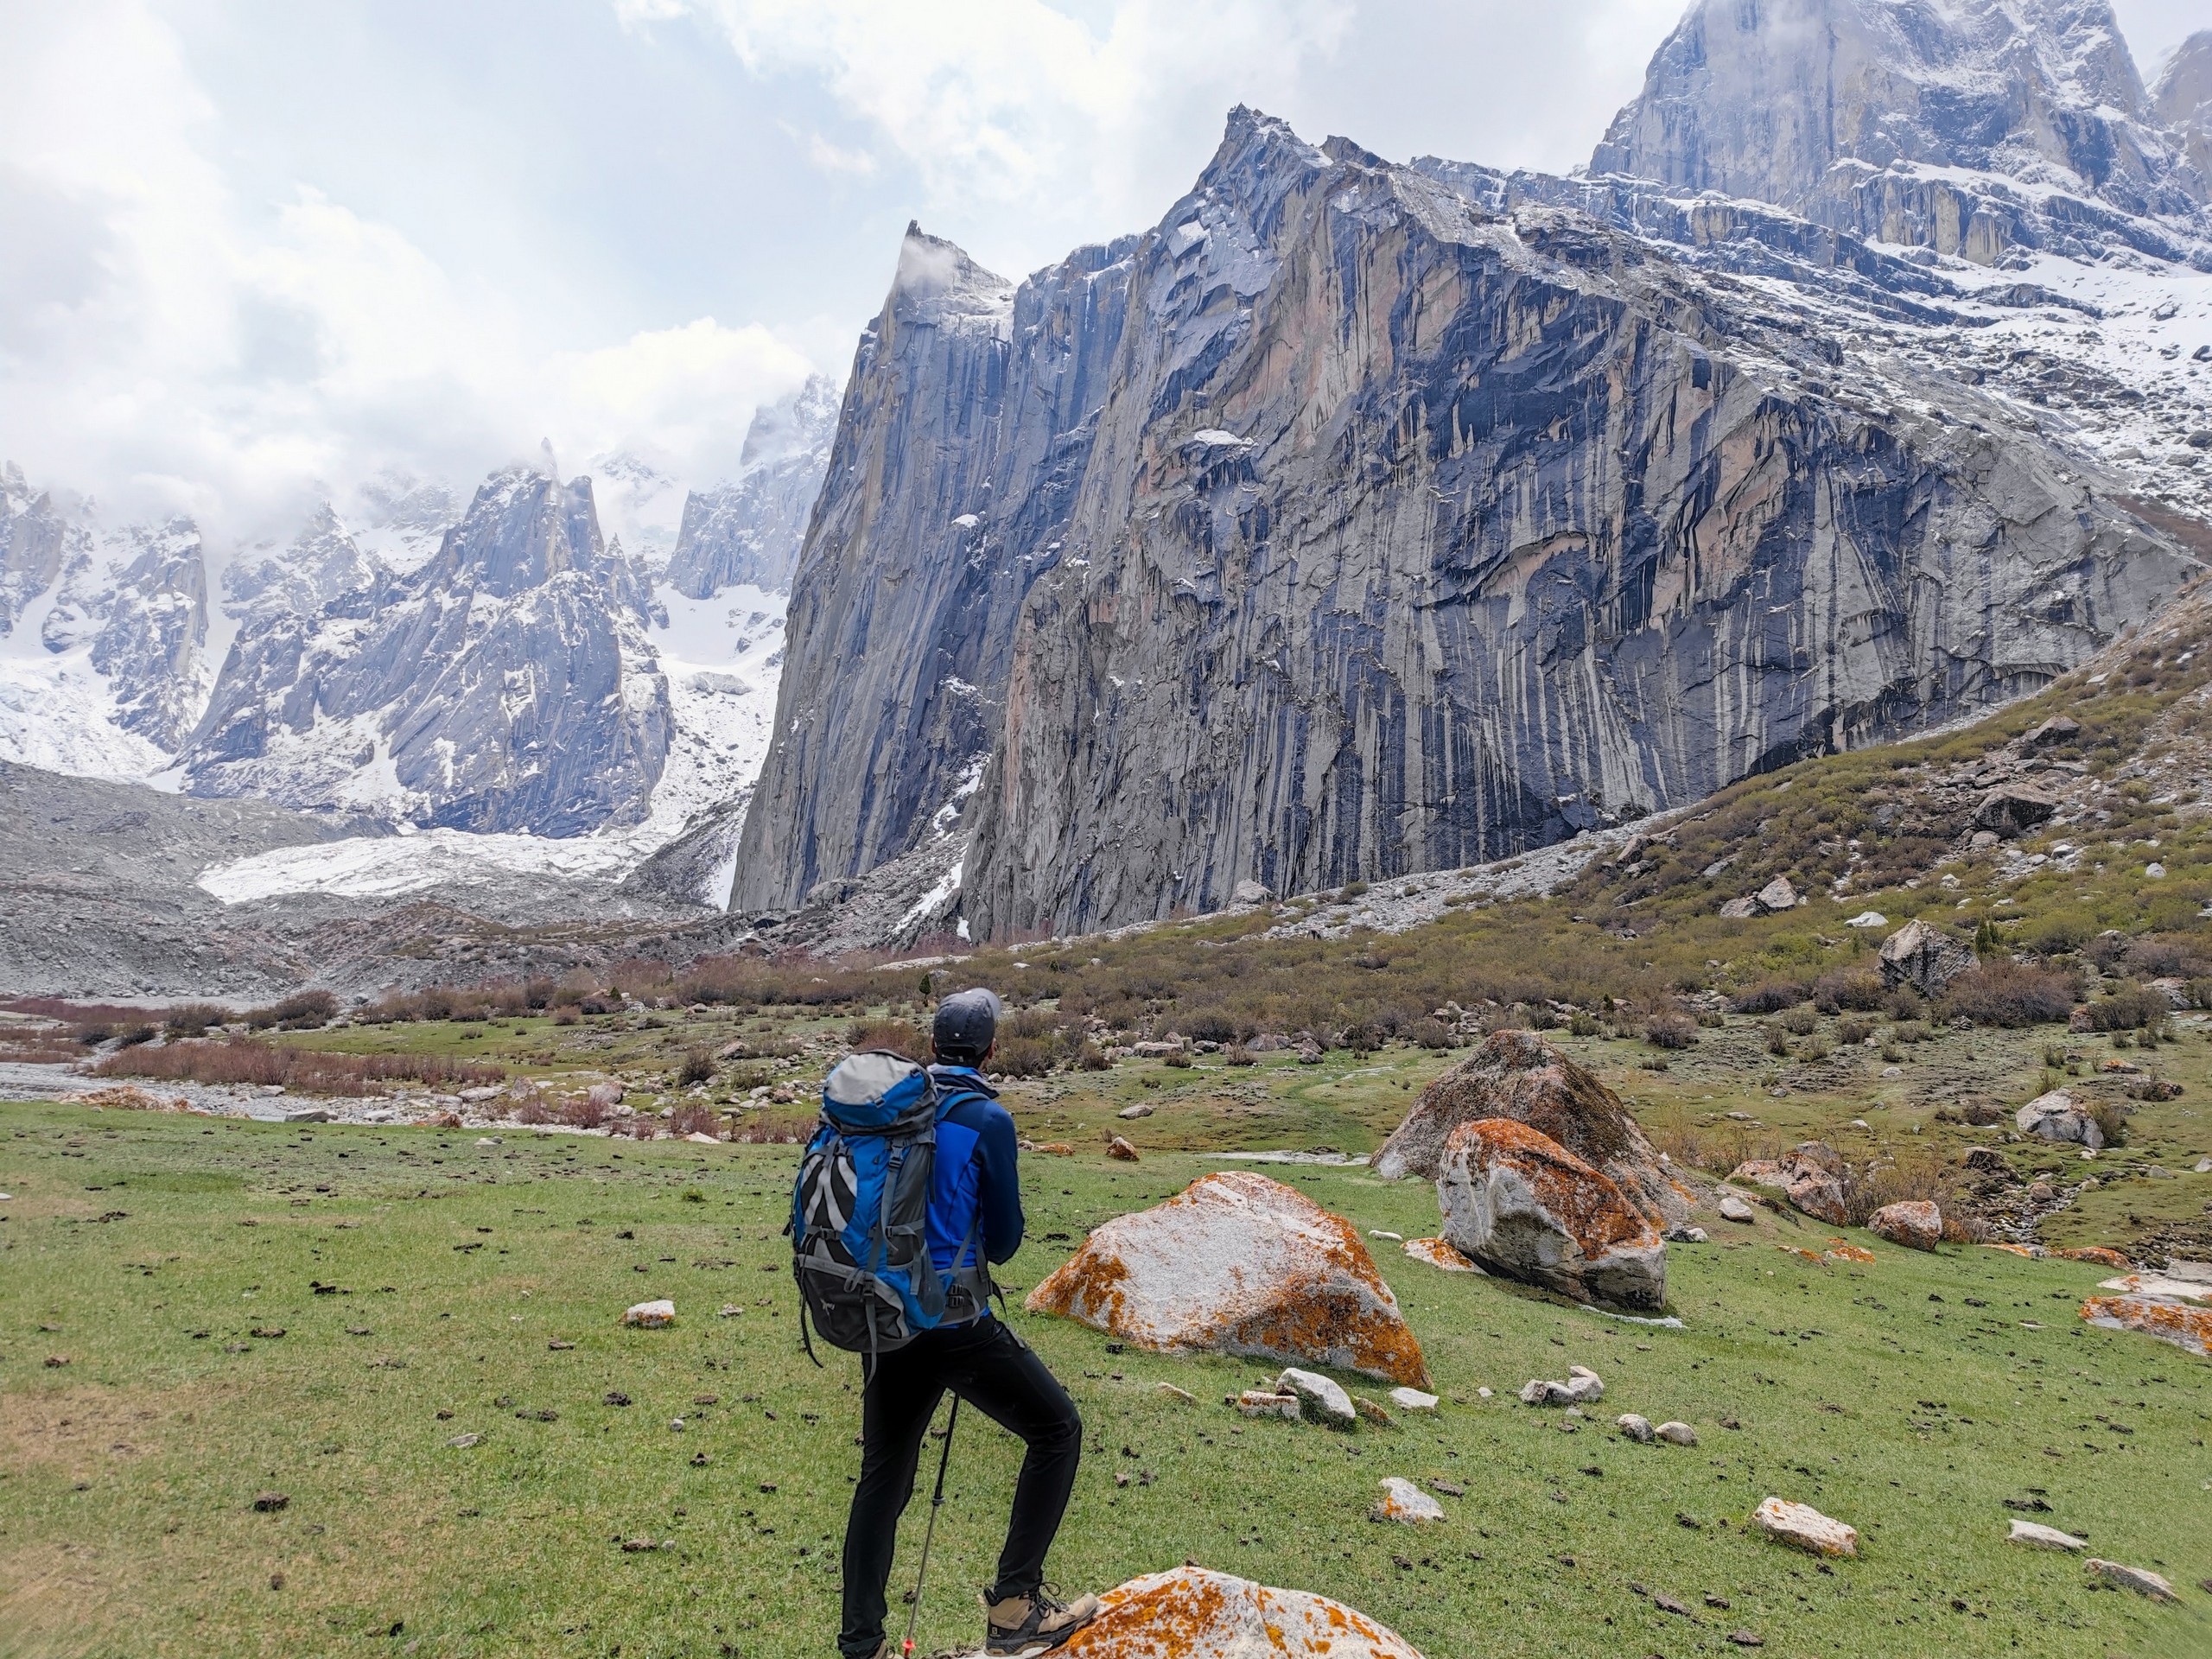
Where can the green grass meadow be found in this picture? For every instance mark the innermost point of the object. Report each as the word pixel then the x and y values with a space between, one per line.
pixel 1911 1398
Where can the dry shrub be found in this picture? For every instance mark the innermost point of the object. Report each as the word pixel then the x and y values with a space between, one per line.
pixel 586 1112
pixel 535 1110
pixel 1238 1054
pixel 894 1034
pixel 1671 1028
pixel 1854 1030
pixel 1091 1058
pixel 303 1011
pixel 760 1129
pixel 2133 1009
pixel 1799 1022
pixel 1919 1176
pixel 694 1119
pixel 2006 994
pixel 193 1019
pixel 1861 990
pixel 1966 1229
pixel 1771 996
pixel 698 1067
pixel 1023 1056
pixel 640 1128
pixel 304 1069
pixel 2111 1117
pixel 1717 1150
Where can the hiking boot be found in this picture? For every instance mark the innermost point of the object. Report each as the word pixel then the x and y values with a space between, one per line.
pixel 1035 1623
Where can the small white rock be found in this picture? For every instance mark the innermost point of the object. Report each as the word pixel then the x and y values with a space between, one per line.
pixel 1482 1394
pixel 1318 1397
pixel 1676 1433
pixel 651 1313
pixel 1376 1232
pixel 1634 1428
pixel 1140 1110
pixel 1412 1400
pixel 464 1441
pixel 1405 1503
pixel 2042 1537
pixel 1260 1402
pixel 1805 1527
pixel 2140 1579
pixel 1175 1393
pixel 1735 1209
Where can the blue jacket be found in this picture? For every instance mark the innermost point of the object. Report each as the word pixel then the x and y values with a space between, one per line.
pixel 975 1173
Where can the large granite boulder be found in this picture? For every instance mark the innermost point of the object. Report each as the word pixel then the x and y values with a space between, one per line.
pixel 1522 1205
pixel 2012 810
pixel 1810 1175
pixel 1924 958
pixel 1238 1264
pixel 1193 1613
pixel 1517 1075
pixel 2057 1116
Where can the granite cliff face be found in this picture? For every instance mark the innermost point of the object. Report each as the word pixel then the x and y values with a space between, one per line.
pixel 1361 520
pixel 1971 126
pixel 2184 100
pixel 966 429
pixel 506 685
pixel 37 542
pixel 749 531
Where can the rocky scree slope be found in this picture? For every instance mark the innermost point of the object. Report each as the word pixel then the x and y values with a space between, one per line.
pixel 1978 128
pixel 1398 533
pixel 507 685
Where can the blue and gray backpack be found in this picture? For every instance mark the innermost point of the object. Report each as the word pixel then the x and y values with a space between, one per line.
pixel 859 1209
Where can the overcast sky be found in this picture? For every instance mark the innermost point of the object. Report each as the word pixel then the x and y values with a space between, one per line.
pixel 254 249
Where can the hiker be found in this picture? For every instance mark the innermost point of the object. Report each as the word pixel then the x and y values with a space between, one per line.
pixel 974 1217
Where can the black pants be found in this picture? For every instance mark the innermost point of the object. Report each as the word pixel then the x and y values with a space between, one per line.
pixel 994 1370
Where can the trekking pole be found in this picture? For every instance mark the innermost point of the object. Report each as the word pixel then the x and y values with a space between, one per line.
pixel 929 1534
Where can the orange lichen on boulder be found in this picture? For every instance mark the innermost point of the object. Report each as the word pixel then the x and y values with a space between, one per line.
pixel 1238 1264
pixel 1520 1203
pixel 2176 1322
pixel 2098 1254
pixel 1440 1253
pixel 1517 1075
pixel 1192 1613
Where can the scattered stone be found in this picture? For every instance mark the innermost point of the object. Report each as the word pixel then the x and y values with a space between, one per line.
pixel 1238 1264
pixel 1413 1400
pixel 1262 1402
pixel 1140 1110
pixel 1320 1400
pixel 1685 1236
pixel 1437 1253
pixel 2012 810
pixel 2140 1579
pixel 1521 1205
pixel 1771 899
pixel 1987 1160
pixel 1405 1503
pixel 1173 1393
pixel 2096 1253
pixel 1449 1488
pixel 267 1332
pixel 615 1397
pixel 1194 1613
pixel 1805 1527
pixel 1635 1428
pixel 1915 1224
pixel 1117 1148
pixel 1676 1433
pixel 464 1441
pixel 2059 728
pixel 729 1311
pixel 2042 1537
pixel 1735 1209
pixel 1394 1238
pixel 2054 1116
pixel 270 1503
pixel 1517 1075
pixel 2178 1323
pixel 1582 1385
pixel 1810 1175
pixel 1924 958
pixel 651 1313
pixel 309 1115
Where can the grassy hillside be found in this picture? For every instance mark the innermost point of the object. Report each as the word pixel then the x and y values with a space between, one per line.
pixel 1912 1397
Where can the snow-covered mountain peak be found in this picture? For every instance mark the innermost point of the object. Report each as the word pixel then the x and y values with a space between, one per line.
pixel 1949 124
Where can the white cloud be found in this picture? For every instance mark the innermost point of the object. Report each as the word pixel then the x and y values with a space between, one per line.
pixel 171 347
pixel 1007 101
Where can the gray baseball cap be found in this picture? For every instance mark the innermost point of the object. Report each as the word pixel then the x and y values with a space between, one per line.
pixel 967 1023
